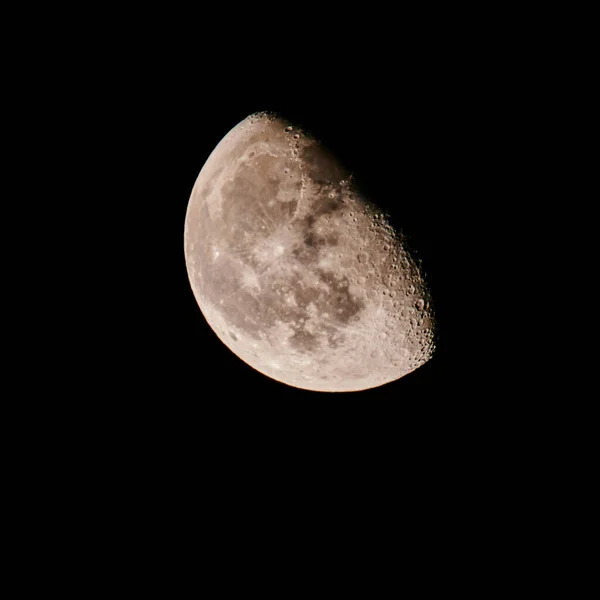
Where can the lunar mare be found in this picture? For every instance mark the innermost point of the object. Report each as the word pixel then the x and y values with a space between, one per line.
pixel 295 271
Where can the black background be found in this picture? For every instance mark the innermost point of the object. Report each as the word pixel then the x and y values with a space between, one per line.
pixel 440 130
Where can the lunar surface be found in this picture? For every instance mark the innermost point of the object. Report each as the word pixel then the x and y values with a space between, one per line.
pixel 296 272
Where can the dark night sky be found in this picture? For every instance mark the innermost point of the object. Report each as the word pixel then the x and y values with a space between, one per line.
pixel 438 124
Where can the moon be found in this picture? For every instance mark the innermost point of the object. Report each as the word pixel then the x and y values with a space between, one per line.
pixel 296 272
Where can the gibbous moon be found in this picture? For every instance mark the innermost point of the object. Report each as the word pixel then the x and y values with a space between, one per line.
pixel 296 272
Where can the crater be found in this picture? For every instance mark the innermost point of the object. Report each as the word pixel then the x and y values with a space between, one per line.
pixel 327 202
